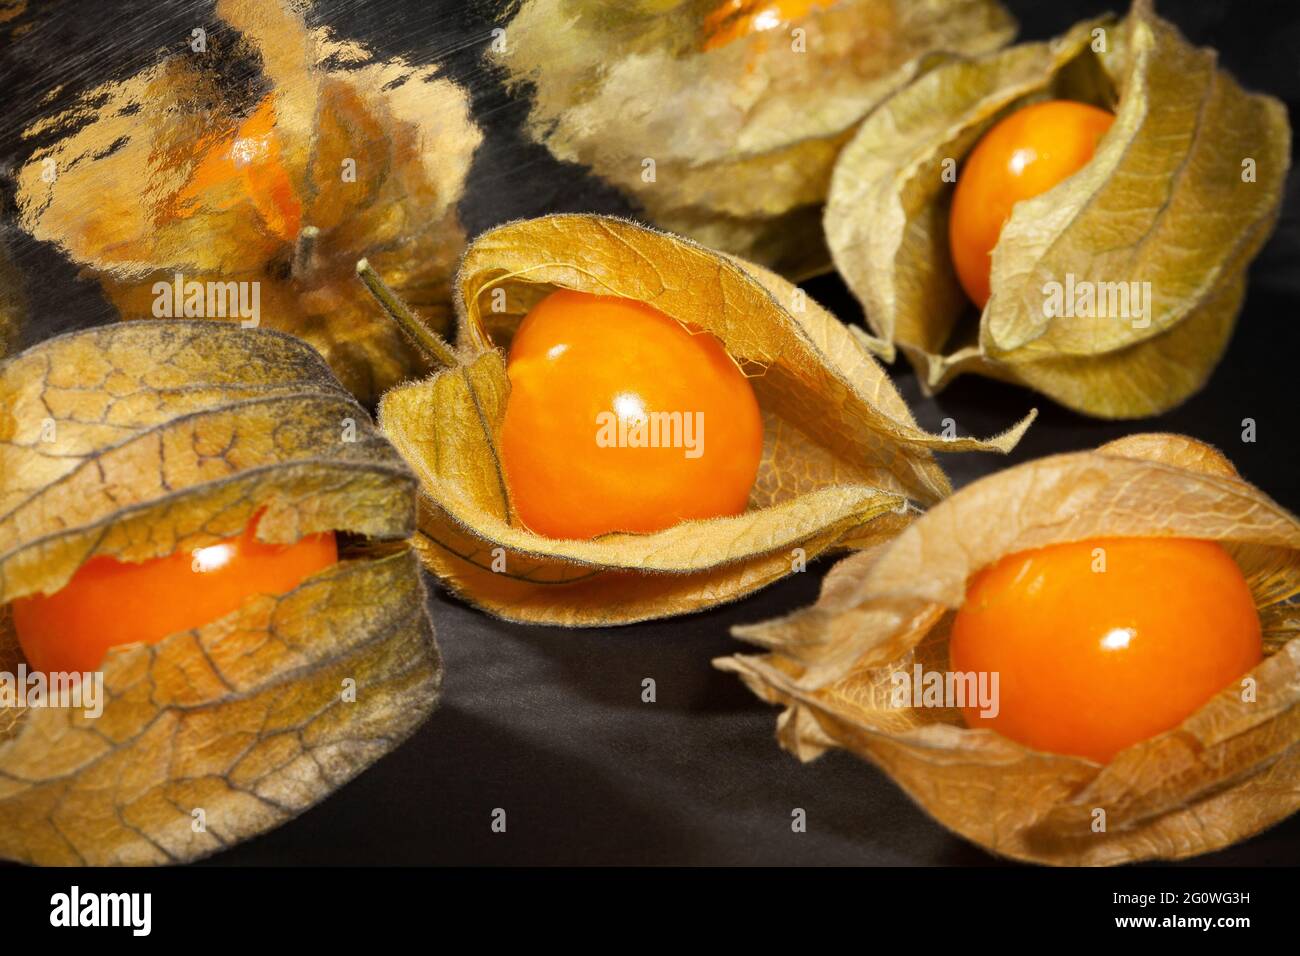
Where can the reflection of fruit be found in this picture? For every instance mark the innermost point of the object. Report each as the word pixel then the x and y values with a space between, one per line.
pixel 250 158
pixel 734 19
pixel 1025 154
pixel 1090 661
pixel 595 383
pixel 110 602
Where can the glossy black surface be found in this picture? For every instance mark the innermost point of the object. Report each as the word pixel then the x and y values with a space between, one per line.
pixel 549 724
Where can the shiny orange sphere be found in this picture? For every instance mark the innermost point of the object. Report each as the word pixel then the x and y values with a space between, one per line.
pixel 251 158
pixel 621 419
pixel 734 19
pixel 1024 155
pixel 1091 661
pixel 109 602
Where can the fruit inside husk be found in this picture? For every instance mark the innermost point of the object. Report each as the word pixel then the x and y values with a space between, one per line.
pixel 1087 647
pixel 147 447
pixel 841 453
pixel 1115 291
pixel 885 619
pixel 622 419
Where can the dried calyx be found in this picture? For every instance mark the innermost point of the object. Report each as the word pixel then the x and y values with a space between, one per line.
pixel 1226 772
pixel 138 442
pixel 842 456
pixel 1114 292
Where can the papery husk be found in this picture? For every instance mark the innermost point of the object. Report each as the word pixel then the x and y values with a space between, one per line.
pixel 1162 201
pixel 1227 772
pixel 743 136
pixel 123 203
pixel 144 439
pixel 842 455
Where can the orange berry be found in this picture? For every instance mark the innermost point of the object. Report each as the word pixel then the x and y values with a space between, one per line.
pixel 1025 154
pixel 1092 661
pixel 734 19
pixel 109 602
pixel 620 419
pixel 252 158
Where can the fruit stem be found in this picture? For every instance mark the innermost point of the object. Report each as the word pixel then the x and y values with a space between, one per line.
pixel 433 345
pixel 303 250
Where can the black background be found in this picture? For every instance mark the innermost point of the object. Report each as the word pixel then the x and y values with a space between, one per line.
pixel 548 723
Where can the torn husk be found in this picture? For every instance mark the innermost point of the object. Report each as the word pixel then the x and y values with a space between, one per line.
pixel 192 195
pixel 842 454
pixel 1229 771
pixel 731 144
pixel 141 440
pixel 1157 228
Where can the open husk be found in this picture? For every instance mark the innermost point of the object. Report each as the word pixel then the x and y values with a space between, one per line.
pixel 1227 772
pixel 374 154
pixel 842 455
pixel 1180 195
pixel 144 439
pixel 732 145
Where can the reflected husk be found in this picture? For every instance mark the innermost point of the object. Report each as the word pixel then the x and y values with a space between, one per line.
pixel 1163 202
pixel 124 200
pixel 144 439
pixel 1229 771
pixel 842 454
pixel 743 136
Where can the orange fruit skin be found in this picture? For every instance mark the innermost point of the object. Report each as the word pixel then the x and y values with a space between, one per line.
pixel 576 356
pixel 1092 662
pixel 735 19
pixel 252 157
pixel 1025 154
pixel 109 602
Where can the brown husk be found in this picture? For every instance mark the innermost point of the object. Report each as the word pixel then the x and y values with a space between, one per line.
pixel 144 439
pixel 1163 202
pixel 121 202
pixel 842 454
pixel 743 136
pixel 1229 771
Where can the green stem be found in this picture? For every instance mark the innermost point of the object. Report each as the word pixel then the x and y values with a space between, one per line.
pixel 433 345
